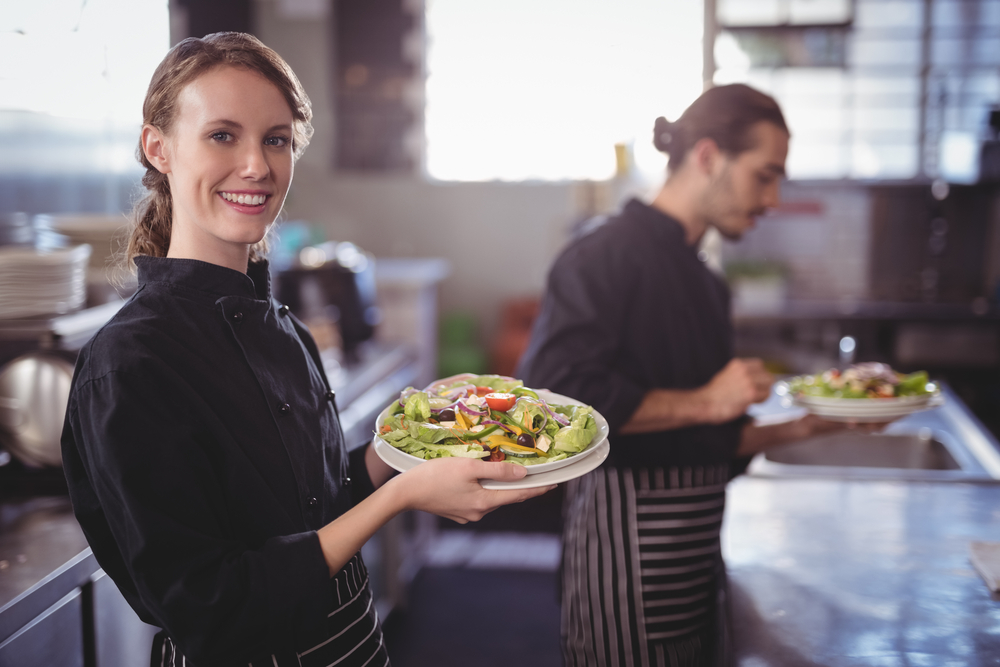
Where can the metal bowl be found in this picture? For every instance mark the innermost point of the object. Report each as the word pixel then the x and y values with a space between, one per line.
pixel 34 391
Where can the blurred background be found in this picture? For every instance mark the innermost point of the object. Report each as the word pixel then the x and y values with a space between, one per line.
pixel 458 145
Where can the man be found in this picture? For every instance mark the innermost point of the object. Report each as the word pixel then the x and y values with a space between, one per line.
pixel 635 324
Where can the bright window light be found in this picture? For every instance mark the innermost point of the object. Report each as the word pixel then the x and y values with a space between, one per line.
pixel 528 90
pixel 82 59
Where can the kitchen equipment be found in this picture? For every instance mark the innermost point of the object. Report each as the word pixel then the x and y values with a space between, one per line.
pixel 37 282
pixel 34 391
pixel 333 283
pixel 930 243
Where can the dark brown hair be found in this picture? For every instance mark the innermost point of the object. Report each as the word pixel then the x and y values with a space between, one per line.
pixel 724 114
pixel 153 214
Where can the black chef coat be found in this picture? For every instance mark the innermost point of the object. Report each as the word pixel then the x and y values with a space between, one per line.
pixel 630 307
pixel 203 449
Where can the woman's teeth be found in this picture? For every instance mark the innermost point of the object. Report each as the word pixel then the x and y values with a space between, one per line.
pixel 246 200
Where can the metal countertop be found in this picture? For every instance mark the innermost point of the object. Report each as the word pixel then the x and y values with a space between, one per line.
pixel 860 572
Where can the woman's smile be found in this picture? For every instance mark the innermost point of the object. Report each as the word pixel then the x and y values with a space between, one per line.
pixel 245 202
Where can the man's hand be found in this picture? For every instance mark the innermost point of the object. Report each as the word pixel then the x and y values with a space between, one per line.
pixel 725 397
pixel 759 438
pixel 733 389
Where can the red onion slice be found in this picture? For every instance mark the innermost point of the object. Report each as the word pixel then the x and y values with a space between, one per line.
pixel 470 411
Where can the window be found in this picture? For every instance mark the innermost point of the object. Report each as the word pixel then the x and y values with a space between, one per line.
pixel 73 74
pixel 88 59
pixel 522 89
pixel 909 99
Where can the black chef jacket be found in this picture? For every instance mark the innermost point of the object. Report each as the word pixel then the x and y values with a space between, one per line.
pixel 203 449
pixel 630 307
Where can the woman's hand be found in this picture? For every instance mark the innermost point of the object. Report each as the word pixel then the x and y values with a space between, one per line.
pixel 450 487
pixel 447 487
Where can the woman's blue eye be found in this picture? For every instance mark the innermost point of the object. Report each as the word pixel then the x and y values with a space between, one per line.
pixel 221 136
pixel 278 141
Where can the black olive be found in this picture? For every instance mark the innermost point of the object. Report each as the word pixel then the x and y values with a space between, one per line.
pixel 447 415
pixel 526 440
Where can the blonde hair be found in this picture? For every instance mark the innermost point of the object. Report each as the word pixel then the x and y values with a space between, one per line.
pixel 152 215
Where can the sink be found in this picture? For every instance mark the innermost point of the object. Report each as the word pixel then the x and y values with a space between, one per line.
pixel 915 451
pixel 918 455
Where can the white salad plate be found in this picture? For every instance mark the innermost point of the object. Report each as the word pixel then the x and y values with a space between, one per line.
pixel 541 474
pixel 578 466
pixel 865 410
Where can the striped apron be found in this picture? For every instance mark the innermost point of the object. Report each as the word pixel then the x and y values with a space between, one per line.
pixel 642 567
pixel 354 636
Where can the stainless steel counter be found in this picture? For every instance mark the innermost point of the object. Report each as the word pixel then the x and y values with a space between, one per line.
pixel 860 572
pixel 843 566
pixel 974 449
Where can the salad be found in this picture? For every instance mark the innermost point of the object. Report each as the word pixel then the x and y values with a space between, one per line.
pixel 867 380
pixel 489 417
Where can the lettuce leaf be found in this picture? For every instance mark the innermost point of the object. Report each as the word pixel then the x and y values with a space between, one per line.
pixel 581 431
pixel 418 407
pixel 534 411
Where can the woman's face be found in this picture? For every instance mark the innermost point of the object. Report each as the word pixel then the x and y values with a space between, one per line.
pixel 228 158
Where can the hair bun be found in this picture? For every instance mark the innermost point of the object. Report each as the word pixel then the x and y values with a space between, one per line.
pixel 662 135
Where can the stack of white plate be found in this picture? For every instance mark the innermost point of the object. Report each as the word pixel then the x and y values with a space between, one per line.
pixel 103 233
pixel 42 282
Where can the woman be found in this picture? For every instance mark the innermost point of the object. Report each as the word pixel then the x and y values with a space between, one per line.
pixel 202 445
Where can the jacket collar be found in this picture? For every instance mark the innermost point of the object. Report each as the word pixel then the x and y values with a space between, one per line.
pixel 212 279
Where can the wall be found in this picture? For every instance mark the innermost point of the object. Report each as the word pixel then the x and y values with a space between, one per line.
pixel 821 234
pixel 500 238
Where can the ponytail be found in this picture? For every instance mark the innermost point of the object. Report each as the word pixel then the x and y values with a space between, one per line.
pixel 152 217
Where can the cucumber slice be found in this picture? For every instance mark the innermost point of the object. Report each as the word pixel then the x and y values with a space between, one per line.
pixel 517 453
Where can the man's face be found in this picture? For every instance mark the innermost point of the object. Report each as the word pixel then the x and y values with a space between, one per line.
pixel 745 186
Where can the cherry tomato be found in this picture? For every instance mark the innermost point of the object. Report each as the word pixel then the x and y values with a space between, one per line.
pixel 500 402
pixel 482 391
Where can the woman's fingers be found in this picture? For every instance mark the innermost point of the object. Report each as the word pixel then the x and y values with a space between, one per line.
pixel 450 487
pixel 501 472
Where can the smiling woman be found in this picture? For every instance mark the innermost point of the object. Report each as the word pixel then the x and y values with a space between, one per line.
pixel 202 447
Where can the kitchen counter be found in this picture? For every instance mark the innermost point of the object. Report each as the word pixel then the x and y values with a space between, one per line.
pixel 839 572
pixel 796 310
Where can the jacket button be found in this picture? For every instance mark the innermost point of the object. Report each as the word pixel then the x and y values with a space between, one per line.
pixel 237 317
pixel 346 482
pixel 330 395
pixel 283 309
pixel 284 408
pixel 313 501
